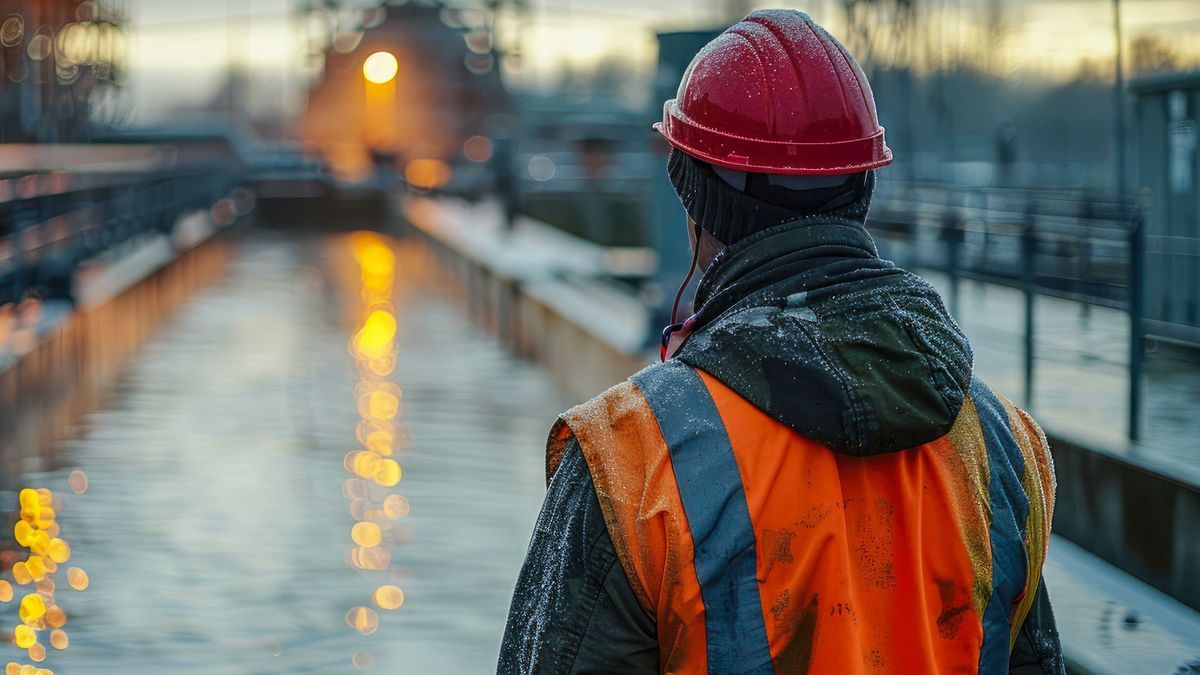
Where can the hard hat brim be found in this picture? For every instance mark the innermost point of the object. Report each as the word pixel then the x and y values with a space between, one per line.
pixel 776 157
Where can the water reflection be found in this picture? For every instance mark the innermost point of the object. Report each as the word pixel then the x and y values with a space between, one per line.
pixel 374 350
pixel 216 528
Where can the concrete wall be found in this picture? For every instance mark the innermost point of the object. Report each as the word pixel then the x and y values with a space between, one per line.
pixel 535 327
pixel 44 389
pixel 1139 520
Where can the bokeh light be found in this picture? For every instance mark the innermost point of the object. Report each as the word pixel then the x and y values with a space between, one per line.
pixel 395 506
pixel 478 148
pixel 541 168
pixel 77 578
pixel 373 470
pixel 363 619
pixel 366 534
pixel 427 174
pixel 388 597
pixel 32 609
pixel 380 68
pixel 38 532
pixel 24 637
pixel 78 482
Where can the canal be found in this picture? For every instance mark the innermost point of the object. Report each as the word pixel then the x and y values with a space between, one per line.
pixel 244 497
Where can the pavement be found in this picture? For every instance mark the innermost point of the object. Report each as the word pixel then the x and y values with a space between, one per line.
pixel 1110 623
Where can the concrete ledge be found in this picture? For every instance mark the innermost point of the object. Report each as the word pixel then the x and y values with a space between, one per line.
pixel 543 293
pixel 1143 521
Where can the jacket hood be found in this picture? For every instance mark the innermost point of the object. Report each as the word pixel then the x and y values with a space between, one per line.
pixel 809 324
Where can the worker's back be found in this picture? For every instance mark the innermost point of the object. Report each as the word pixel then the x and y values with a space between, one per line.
pixel 816 482
pixel 759 550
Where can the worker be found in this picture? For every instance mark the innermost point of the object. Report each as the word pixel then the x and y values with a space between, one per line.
pixel 813 480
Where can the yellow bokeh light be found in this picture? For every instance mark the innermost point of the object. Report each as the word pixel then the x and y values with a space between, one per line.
pixel 78 482
pixel 56 617
pixel 21 532
pixel 77 578
pixel 6 591
pixel 32 608
pixel 376 259
pixel 21 575
pixel 38 540
pixel 58 639
pixel 388 597
pixel 380 68
pixel 374 340
pixel 24 637
pixel 365 463
pixel 387 472
pixel 28 499
pixel 382 405
pixel 366 534
pixel 37 652
pixel 36 566
pixel 363 619
pixel 380 441
pixel 58 550
pixel 373 558
pixel 12 668
pixel 395 506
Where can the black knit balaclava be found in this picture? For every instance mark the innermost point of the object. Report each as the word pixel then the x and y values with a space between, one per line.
pixel 731 214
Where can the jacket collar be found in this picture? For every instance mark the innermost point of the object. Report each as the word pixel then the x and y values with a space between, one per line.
pixel 805 254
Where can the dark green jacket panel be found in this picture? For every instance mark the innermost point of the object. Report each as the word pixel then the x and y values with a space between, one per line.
pixel 574 610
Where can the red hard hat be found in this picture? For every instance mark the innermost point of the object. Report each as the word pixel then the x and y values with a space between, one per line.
pixel 776 94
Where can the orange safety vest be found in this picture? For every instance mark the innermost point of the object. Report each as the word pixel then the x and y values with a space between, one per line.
pixel 758 550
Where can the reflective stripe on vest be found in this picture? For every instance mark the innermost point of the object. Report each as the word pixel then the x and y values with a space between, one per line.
pixel 714 502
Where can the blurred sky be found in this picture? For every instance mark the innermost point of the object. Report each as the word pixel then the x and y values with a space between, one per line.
pixel 181 49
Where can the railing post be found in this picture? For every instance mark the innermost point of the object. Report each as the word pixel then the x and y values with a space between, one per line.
pixel 1137 244
pixel 1028 283
pixel 953 235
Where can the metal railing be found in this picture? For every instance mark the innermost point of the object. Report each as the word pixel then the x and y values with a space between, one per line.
pixel 50 223
pixel 1079 245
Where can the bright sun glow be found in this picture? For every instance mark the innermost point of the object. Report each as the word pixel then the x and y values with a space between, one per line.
pixel 380 68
